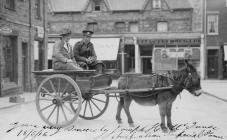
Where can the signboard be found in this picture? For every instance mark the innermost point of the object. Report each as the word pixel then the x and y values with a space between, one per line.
pixel 225 52
pixel 168 41
pixel 40 32
pixel 5 29
pixel 176 52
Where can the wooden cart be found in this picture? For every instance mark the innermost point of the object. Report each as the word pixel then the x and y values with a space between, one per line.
pixel 62 96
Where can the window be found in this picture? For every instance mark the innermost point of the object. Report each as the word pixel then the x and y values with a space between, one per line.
pixel 10 4
pixel 37 9
pixel 157 4
pixel 120 26
pixel 162 26
pixel 97 5
pixel 212 24
pixel 133 27
pixel 93 26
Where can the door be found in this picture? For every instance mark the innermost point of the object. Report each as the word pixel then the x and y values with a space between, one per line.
pixel 147 65
pixel 25 67
pixel 212 66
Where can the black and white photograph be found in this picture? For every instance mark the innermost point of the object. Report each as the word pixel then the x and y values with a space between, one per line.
pixel 113 69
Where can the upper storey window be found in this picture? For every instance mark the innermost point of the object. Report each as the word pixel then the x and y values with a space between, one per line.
pixel 162 26
pixel 38 9
pixel 10 4
pixel 212 24
pixel 93 26
pixel 120 26
pixel 157 4
pixel 97 5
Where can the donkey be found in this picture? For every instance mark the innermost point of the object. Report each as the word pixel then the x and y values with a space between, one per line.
pixel 185 78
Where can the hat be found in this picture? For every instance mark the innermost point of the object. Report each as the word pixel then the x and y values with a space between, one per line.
pixel 65 32
pixel 87 32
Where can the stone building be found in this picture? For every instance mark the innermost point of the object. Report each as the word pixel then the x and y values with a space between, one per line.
pixel 216 36
pixel 152 35
pixel 21 36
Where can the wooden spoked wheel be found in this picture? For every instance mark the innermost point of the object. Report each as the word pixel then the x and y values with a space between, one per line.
pixel 55 97
pixel 93 105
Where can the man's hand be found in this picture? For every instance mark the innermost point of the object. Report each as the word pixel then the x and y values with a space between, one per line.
pixel 69 61
pixel 89 61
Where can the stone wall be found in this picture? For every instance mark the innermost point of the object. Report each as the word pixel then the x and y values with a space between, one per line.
pixel 18 20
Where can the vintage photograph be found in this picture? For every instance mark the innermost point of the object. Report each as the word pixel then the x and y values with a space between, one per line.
pixel 113 69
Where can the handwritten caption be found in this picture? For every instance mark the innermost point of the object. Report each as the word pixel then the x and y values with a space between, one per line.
pixel 27 131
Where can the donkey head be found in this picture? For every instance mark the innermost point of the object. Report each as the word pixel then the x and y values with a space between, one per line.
pixel 192 80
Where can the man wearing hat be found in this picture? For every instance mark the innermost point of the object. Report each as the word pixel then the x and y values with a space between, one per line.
pixel 63 58
pixel 85 55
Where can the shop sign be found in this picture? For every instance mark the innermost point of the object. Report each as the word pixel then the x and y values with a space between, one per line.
pixel 40 32
pixel 168 41
pixel 176 53
pixel 5 29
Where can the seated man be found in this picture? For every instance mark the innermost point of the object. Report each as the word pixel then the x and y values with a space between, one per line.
pixel 85 55
pixel 63 54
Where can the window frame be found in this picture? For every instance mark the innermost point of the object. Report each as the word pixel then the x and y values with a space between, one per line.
pixel 158 23
pixel 10 5
pixel 96 4
pixel 215 27
pixel 133 23
pixel 120 29
pixel 93 26
pixel 38 9
pixel 155 2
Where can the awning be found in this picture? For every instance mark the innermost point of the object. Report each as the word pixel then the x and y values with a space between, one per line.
pixel 225 51
pixel 105 48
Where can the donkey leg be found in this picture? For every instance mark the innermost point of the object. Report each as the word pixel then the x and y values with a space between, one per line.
pixel 169 121
pixel 119 108
pixel 127 102
pixel 162 111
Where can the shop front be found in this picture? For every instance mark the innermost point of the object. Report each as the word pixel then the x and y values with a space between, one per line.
pixel 9 63
pixel 160 53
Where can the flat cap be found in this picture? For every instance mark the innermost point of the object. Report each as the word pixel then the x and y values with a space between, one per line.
pixel 65 32
pixel 87 32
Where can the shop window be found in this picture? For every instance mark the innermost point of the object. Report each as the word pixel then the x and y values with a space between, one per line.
pixel 120 26
pixel 93 26
pixel 38 9
pixel 212 24
pixel 133 27
pixel 162 27
pixel 10 4
pixel 97 5
pixel 157 4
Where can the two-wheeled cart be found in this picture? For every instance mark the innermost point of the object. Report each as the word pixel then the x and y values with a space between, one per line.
pixel 62 96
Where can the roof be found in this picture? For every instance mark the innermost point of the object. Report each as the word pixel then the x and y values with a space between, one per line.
pixel 68 5
pixel 121 5
pixel 178 4
pixel 114 5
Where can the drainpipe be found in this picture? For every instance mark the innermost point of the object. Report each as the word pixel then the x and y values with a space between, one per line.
pixel 30 42
pixel 45 34
pixel 0 67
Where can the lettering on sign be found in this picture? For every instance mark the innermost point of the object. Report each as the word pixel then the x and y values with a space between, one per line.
pixel 169 41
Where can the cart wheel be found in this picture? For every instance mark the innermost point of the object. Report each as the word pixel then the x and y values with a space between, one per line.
pixel 93 105
pixel 55 97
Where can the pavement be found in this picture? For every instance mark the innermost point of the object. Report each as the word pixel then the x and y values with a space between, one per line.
pixel 213 88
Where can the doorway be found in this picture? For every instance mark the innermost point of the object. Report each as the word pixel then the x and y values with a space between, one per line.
pixel 25 71
pixel 212 64
pixel 147 65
